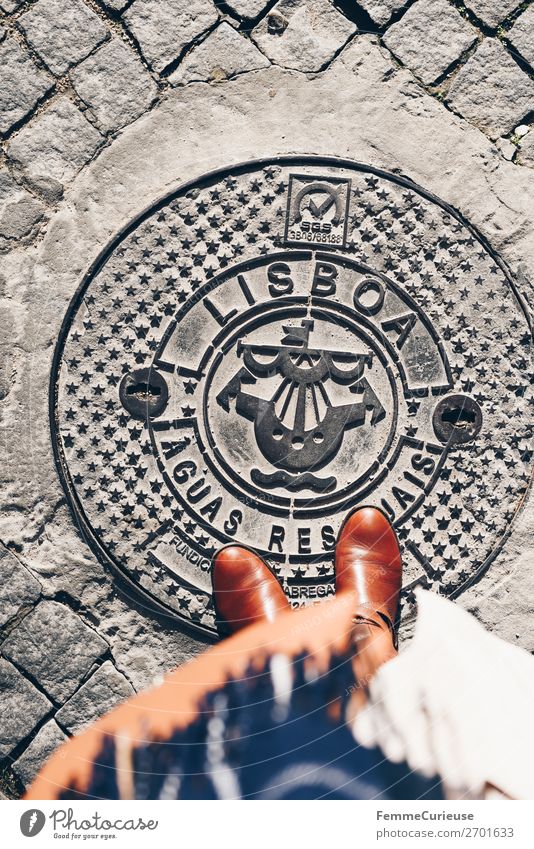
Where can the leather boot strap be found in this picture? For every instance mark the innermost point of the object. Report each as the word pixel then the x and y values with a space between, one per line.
pixel 376 616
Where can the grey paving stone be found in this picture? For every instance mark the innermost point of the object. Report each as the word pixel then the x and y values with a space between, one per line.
pixel 43 745
pixel 382 10
pixel 22 706
pixel 521 36
pixel 106 688
pixel 429 38
pixel 22 84
pixel 222 54
pixel 115 85
pixel 247 8
pixel 18 218
pixel 164 28
pixel 507 148
pixel 491 90
pixel 492 12
pixel 115 5
pixel 55 647
pixel 525 154
pixel 62 32
pixel 19 212
pixel 521 130
pixel 8 355
pixel 302 34
pixel 48 188
pixel 18 588
pixel 56 144
pixel 9 6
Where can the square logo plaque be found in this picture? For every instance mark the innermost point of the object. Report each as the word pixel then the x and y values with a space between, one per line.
pixel 317 211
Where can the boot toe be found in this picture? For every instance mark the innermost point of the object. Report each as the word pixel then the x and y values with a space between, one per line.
pixel 245 590
pixel 368 527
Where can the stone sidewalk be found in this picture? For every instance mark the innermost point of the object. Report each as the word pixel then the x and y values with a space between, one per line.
pixel 107 104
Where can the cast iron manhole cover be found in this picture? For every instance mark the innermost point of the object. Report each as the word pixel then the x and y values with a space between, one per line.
pixel 266 349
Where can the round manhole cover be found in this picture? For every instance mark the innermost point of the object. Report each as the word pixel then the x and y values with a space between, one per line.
pixel 266 349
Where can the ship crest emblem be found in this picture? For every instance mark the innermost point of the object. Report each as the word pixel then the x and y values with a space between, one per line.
pixel 282 429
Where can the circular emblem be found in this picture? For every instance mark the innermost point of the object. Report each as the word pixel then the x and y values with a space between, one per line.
pixel 269 348
pixel 32 822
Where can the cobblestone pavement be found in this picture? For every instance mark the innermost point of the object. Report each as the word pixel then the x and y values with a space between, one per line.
pixel 77 80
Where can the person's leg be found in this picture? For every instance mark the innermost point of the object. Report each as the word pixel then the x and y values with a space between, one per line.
pixel 368 584
pixel 318 632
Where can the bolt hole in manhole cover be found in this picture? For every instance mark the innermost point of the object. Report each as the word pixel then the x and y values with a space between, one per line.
pixel 273 345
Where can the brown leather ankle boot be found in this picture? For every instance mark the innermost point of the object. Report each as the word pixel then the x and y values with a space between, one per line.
pixel 368 564
pixel 245 589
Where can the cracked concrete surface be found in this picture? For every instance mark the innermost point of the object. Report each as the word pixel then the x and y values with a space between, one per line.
pixel 266 80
